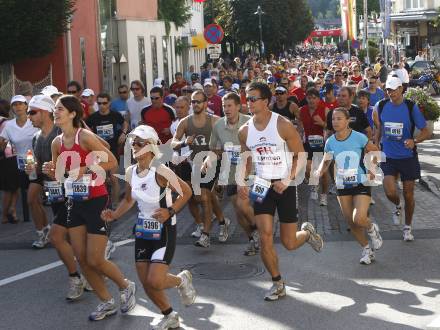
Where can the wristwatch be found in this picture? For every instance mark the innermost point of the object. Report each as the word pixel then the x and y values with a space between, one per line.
pixel 171 211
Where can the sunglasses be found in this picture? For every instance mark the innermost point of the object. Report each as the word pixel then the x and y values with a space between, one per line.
pixel 123 92
pixel 187 91
pixel 253 99
pixel 140 144
pixel 280 93
pixel 72 92
pixel 102 103
pixel 338 75
pixel 135 88
pixel 197 102
pixel 155 98
pixel 32 112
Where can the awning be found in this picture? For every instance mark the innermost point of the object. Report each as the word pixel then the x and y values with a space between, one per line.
pixel 414 16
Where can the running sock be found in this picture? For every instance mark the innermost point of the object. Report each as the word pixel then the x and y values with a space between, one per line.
pixel 253 227
pixel 221 223
pixel 276 279
pixel 406 227
pixel 167 311
pixel 76 274
pixel 367 246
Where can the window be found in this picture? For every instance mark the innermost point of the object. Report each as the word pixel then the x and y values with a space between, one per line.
pixel 154 57
pixel 142 64
pixel 414 4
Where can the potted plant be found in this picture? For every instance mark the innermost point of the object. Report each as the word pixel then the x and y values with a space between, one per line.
pixel 427 104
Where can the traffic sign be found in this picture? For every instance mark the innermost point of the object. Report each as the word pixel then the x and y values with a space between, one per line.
pixel 214 51
pixel 355 44
pixel 213 33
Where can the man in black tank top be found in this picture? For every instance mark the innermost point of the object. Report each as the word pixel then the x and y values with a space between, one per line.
pixel 284 107
pixel 197 128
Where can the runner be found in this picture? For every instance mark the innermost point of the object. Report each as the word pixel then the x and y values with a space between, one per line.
pixel 353 196
pixel 41 115
pixel 136 103
pixel 268 136
pixel 376 93
pixel 284 107
pixel 224 141
pixel 197 128
pixel 395 120
pixel 76 151
pixel 150 187
pixel 313 121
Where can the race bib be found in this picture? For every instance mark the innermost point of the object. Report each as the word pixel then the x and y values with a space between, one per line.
pixel 316 141
pixel 148 229
pixel 233 153
pixel 393 131
pixel 259 190
pixel 79 189
pixel 54 191
pixel 21 162
pixel 105 131
pixel 347 177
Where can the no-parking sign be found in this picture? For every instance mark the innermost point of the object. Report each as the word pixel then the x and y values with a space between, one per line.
pixel 213 34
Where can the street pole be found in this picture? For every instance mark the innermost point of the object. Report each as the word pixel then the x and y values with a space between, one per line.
pixel 259 12
pixel 366 30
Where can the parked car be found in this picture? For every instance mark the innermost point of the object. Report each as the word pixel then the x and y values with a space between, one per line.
pixel 419 67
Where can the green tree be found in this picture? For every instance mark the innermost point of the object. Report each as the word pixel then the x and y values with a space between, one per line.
pixel 173 11
pixel 30 28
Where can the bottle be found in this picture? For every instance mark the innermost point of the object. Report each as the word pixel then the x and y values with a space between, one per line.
pixel 31 161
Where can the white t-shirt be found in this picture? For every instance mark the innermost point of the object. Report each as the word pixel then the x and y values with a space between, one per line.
pixel 135 108
pixel 20 137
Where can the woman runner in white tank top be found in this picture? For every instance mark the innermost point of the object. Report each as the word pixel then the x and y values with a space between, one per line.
pixel 150 187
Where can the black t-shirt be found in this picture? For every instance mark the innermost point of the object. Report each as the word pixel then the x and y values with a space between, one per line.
pixel 108 127
pixel 284 111
pixel 358 119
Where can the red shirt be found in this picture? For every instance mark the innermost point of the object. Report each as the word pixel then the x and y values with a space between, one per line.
pixel 299 93
pixel 308 123
pixel 331 105
pixel 176 88
pixel 357 79
pixel 215 104
pixel 159 119
pixel 85 106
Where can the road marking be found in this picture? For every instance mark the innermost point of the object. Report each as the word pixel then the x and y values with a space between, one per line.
pixel 45 268
pixel 434 324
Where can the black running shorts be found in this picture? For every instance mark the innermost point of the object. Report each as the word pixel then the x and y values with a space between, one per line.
pixel 353 191
pixel 160 251
pixel 284 203
pixel 88 213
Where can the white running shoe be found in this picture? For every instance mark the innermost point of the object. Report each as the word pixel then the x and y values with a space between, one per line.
pixel 372 201
pixel 277 291
pixel 407 234
pixel 128 297
pixel 323 200
pixel 314 193
pixel 376 239
pixel 170 321
pixel 76 287
pixel 106 308
pixel 198 232
pixel 367 256
pixel 256 238
pixel 41 241
pixel 251 249
pixel 186 289
pixel 397 215
pixel 332 190
pixel 203 241
pixel 224 231
pixel 109 249
pixel 315 239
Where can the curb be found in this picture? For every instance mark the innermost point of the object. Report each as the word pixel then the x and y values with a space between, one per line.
pixel 431 183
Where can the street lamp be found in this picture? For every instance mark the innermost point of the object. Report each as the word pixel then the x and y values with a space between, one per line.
pixel 259 12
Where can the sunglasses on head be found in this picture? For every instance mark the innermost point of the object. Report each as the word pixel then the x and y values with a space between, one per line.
pixel 32 112
pixel 253 99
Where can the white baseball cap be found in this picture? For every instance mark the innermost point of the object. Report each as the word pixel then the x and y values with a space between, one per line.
pixel 50 90
pixel 158 82
pixel 18 98
pixel 208 82
pixel 145 132
pixel 393 83
pixel 197 86
pixel 281 89
pixel 88 92
pixel 42 102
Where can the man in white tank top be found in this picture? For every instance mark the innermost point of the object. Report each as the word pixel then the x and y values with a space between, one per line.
pixel 274 144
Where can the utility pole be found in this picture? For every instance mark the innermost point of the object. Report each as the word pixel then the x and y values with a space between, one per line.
pixel 366 30
pixel 259 12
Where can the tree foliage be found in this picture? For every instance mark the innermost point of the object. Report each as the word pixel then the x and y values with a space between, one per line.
pixel 284 23
pixel 173 11
pixel 29 28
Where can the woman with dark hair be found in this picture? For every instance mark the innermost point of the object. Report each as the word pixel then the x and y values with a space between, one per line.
pixel 9 171
pixel 347 148
pixel 80 161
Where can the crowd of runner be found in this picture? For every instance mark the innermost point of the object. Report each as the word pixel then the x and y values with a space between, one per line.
pixel 250 129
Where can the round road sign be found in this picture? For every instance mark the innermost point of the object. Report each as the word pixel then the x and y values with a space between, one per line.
pixel 213 33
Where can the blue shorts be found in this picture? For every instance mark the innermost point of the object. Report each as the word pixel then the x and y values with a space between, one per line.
pixel 408 168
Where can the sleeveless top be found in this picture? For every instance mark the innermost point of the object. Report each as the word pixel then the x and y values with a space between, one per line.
pixel 269 151
pixel 202 135
pixel 94 191
pixel 284 111
pixel 149 195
